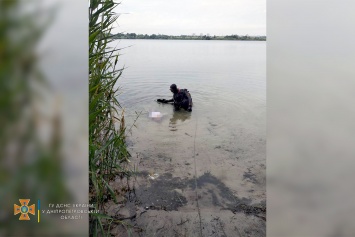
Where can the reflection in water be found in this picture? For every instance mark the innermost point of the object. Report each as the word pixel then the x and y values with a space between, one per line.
pixel 178 115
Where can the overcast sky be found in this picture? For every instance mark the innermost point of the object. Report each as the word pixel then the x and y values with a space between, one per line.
pixel 176 17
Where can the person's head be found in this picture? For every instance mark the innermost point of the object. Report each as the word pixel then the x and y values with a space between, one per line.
pixel 173 88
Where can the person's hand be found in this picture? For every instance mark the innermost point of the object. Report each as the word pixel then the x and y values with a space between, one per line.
pixel 189 109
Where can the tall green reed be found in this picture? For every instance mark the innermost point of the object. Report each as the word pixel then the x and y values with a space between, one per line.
pixel 107 149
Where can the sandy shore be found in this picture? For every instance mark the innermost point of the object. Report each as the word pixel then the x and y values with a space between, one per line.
pixel 204 180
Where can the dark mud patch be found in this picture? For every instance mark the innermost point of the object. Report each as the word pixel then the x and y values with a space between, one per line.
pixel 167 193
pixel 160 195
pixel 215 200
pixel 219 188
pixel 258 210
pixel 224 197
pixel 250 176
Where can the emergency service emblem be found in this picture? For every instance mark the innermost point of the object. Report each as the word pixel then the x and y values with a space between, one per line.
pixel 24 209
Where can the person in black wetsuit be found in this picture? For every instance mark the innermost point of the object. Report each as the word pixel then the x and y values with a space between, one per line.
pixel 181 98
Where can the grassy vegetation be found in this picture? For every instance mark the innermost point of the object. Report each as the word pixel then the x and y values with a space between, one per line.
pixel 108 153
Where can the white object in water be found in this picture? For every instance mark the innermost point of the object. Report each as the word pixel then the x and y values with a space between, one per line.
pixel 155 115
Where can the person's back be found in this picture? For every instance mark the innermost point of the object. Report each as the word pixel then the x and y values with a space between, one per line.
pixel 182 98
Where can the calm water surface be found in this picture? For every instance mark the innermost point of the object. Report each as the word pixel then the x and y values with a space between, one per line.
pixel 227 82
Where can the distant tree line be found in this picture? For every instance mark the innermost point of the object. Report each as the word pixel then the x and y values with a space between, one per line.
pixel 187 37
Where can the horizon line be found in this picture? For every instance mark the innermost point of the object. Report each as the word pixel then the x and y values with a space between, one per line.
pixel 193 34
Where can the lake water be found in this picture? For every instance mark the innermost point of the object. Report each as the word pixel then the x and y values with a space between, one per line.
pixel 224 135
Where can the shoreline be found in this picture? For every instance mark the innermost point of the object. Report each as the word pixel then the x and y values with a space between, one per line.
pixel 189 37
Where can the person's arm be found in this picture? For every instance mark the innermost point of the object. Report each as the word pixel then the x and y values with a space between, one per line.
pixel 165 101
pixel 168 101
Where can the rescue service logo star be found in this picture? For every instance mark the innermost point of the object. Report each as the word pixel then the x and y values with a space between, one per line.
pixel 24 209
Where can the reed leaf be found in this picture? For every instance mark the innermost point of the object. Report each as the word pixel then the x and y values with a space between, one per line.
pixel 107 147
